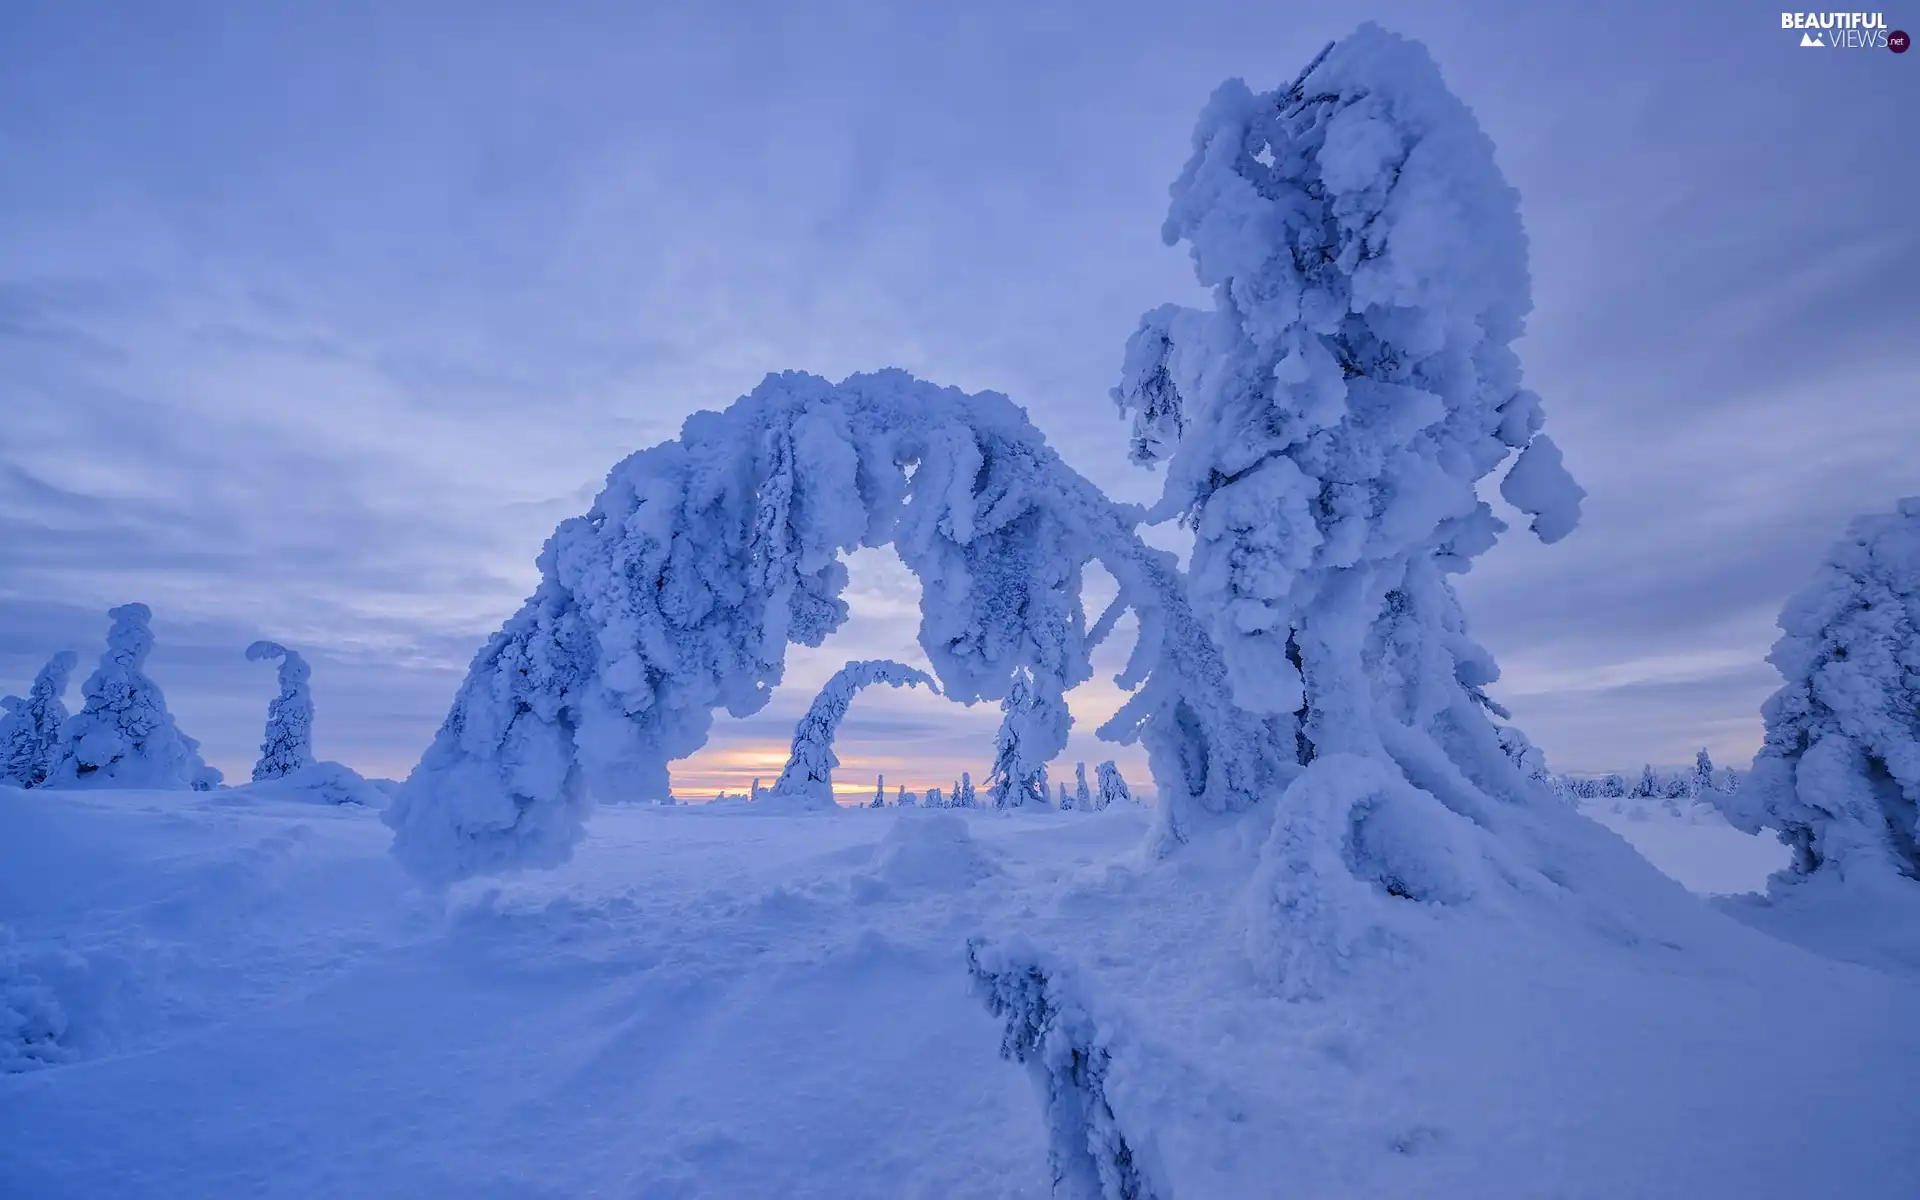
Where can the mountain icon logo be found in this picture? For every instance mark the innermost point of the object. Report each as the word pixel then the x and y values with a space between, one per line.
pixel 1812 39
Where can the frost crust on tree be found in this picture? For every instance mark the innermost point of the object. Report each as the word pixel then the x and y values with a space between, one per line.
pixel 288 742
pixel 810 763
pixel 703 558
pixel 30 731
pixel 123 736
pixel 1838 775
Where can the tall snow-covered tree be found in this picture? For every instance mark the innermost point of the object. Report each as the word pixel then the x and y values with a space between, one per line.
pixel 810 764
pixel 1647 786
pixel 1025 738
pixel 1838 775
pixel 934 799
pixel 124 736
pixel 879 792
pixel 1326 424
pixel 1111 788
pixel 963 796
pixel 903 798
pixel 288 742
pixel 1082 798
pixel 755 793
pixel 1062 800
pixel 30 735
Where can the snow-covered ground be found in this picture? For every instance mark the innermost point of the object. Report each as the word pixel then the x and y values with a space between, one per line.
pixel 717 1001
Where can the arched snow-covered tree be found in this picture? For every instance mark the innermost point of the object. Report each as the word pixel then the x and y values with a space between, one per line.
pixel 124 736
pixel 1838 775
pixel 703 558
pixel 1326 424
pixel 810 764
pixel 30 733
pixel 288 743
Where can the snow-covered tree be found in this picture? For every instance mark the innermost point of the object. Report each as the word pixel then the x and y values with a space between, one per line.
pixel 1082 798
pixel 903 798
pixel 1022 745
pixel 124 736
pixel 1703 773
pixel 963 796
pixel 755 793
pixel 1111 788
pixel 1613 786
pixel 1326 424
pixel 810 764
pixel 1062 800
pixel 1838 775
pixel 30 733
pixel 288 744
pixel 879 792
pixel 934 799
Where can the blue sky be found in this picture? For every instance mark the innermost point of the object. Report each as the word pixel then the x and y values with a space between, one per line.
pixel 315 319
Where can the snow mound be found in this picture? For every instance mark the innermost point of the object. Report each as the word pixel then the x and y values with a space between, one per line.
pixel 319 783
pixel 932 851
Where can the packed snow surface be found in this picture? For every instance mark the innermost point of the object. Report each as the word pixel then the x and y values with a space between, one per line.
pixel 240 994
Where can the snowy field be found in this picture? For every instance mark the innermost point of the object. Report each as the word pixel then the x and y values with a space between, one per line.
pixel 252 1000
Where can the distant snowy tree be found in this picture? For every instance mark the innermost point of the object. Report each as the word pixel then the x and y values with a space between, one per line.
pixel 1325 425
pixel 1613 786
pixel 1703 774
pixel 879 792
pixel 934 799
pixel 30 734
pixel 963 796
pixel 810 764
pixel 755 793
pixel 1647 786
pixel 1838 775
pixel 124 736
pixel 1063 801
pixel 1082 798
pixel 1021 747
pixel 1730 780
pixel 288 744
pixel 1111 788
pixel 903 798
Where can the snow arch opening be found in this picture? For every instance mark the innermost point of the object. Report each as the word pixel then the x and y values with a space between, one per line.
pixel 703 558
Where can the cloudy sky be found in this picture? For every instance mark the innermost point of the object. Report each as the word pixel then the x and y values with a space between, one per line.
pixel 315 319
